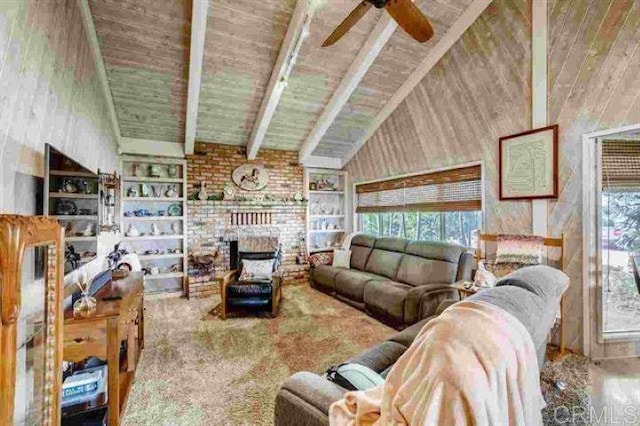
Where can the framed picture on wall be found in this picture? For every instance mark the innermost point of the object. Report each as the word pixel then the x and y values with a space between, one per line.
pixel 529 164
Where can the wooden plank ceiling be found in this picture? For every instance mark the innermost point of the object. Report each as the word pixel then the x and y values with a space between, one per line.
pixel 398 59
pixel 145 45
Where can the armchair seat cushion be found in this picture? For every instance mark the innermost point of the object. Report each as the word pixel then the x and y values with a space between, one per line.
pixel 386 298
pixel 248 302
pixel 249 289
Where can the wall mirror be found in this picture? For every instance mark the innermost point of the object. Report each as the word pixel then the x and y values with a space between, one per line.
pixel 31 259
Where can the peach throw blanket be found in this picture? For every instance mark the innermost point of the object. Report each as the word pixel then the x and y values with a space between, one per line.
pixel 473 365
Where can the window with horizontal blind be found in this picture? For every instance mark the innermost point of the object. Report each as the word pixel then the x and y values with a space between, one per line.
pixel 441 206
pixel 620 165
pixel 449 190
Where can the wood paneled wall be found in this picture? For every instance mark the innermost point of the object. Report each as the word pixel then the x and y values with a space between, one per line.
pixel 594 84
pixel 481 90
pixel 49 92
pixel 478 92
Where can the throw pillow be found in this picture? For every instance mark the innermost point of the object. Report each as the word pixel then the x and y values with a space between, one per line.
pixel 253 270
pixel 322 258
pixel 342 258
pixel 522 249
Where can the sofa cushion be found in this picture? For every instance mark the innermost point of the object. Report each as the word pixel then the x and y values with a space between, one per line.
pixel 435 250
pixel 416 271
pixel 408 335
pixel 391 244
pixel 386 298
pixel 380 357
pixel 361 247
pixel 324 277
pixel 350 283
pixel 384 263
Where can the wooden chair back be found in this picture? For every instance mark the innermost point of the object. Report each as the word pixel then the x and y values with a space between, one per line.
pixel 552 245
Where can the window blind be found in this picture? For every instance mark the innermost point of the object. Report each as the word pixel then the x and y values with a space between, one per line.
pixel 620 165
pixel 449 190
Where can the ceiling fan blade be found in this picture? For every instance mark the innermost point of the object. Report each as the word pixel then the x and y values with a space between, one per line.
pixel 355 15
pixel 411 19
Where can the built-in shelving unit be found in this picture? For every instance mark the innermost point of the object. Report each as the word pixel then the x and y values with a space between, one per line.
pixel 327 221
pixel 71 196
pixel 163 180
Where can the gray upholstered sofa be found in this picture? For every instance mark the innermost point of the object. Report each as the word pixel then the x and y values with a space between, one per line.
pixel 531 294
pixel 395 280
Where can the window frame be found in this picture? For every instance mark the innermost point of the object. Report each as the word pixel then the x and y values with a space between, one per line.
pixel 356 217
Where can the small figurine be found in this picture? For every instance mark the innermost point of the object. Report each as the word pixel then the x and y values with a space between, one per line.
pixel 202 194
pixel 175 229
pixel 88 231
pixel 171 192
pixel 155 170
pixel 133 231
pixel 155 231
pixel 132 192
pixel 172 170
pixel 144 190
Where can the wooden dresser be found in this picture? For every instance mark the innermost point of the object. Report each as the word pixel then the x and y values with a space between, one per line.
pixel 119 318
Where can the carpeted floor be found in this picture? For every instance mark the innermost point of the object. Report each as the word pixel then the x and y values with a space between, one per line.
pixel 199 370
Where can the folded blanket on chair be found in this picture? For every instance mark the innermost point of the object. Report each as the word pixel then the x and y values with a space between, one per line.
pixel 473 365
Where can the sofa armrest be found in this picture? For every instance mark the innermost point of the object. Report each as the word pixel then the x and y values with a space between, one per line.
pixel 465 267
pixel 431 300
pixel 304 399
pixel 413 301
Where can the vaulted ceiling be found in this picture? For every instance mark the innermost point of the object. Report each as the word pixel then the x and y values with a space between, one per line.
pixel 330 101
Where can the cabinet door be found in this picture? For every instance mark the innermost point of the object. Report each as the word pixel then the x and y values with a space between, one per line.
pixel 31 321
pixel 31 333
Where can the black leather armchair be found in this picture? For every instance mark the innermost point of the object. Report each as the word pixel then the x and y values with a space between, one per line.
pixel 254 295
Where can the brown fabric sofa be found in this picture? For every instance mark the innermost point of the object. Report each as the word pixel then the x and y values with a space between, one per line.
pixel 395 280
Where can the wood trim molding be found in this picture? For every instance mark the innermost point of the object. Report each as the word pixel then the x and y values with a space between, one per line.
pixel 456 31
pixel 369 51
pixel 151 147
pixel 196 55
pixel 322 162
pixel 462 174
pixel 297 31
pixel 539 97
pixel 92 39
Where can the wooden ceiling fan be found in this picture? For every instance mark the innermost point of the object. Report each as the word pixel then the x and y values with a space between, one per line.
pixel 404 12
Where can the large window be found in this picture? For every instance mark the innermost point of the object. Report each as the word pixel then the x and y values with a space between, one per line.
pixel 457 226
pixel 441 206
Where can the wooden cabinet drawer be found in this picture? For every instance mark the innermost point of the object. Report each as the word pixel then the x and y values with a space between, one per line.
pixel 85 339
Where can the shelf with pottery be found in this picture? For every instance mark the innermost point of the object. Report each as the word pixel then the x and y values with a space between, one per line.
pixel 76 217
pixel 147 179
pixel 327 221
pixel 71 173
pixel 81 239
pixel 154 218
pixel 154 199
pixel 73 195
pixel 152 237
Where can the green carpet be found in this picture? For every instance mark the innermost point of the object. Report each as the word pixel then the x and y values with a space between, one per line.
pixel 199 370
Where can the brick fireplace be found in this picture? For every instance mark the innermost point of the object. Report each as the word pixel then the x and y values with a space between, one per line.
pixel 213 223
